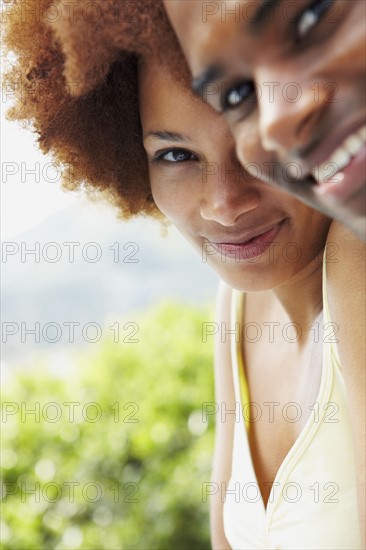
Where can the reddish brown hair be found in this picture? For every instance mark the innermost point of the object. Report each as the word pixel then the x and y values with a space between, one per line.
pixel 74 81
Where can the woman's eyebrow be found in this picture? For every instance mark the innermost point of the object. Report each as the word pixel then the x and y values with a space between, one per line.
pixel 166 136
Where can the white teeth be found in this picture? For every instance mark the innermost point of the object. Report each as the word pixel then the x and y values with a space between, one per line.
pixel 353 144
pixel 328 170
pixel 341 156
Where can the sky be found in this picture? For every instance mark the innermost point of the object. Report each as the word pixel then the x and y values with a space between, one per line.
pixel 30 184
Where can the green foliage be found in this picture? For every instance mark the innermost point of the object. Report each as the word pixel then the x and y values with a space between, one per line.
pixel 125 471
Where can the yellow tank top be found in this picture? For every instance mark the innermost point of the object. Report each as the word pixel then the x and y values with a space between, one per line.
pixel 313 500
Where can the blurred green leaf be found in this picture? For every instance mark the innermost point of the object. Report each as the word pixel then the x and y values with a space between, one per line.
pixel 116 454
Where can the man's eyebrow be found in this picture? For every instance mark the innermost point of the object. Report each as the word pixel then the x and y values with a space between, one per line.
pixel 263 14
pixel 166 136
pixel 216 71
pixel 210 75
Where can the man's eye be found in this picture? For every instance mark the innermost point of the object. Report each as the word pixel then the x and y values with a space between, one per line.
pixel 236 95
pixel 311 17
pixel 175 155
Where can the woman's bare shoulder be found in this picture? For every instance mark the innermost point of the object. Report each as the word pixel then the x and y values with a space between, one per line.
pixel 346 285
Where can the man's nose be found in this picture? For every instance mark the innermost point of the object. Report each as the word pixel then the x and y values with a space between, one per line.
pixel 289 110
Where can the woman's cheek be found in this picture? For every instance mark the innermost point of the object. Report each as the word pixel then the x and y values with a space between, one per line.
pixel 167 199
pixel 176 190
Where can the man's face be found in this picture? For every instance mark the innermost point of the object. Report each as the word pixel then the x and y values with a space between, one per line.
pixel 254 236
pixel 289 77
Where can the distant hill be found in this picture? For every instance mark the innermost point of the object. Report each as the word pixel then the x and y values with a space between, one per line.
pixel 136 268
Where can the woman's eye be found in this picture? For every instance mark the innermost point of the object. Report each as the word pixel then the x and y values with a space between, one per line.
pixel 175 155
pixel 311 17
pixel 236 95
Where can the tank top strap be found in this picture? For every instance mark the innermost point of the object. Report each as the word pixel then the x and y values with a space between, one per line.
pixel 237 318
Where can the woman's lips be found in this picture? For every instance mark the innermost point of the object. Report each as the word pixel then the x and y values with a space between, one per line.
pixel 249 249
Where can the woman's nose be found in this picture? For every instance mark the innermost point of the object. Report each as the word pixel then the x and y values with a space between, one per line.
pixel 228 191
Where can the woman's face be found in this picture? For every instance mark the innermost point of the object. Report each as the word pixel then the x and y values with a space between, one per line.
pixel 253 235
pixel 289 78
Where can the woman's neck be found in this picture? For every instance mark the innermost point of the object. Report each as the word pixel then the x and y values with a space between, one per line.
pixel 302 297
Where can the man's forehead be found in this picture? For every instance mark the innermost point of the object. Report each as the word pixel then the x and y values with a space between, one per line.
pixel 207 11
pixel 197 20
pixel 177 8
pixel 198 27
pixel 185 15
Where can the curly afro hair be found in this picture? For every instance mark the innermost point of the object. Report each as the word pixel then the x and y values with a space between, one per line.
pixel 75 83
